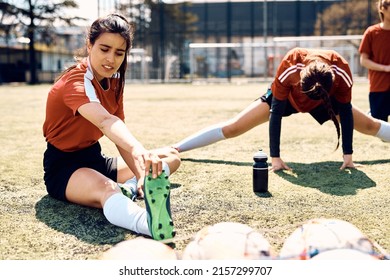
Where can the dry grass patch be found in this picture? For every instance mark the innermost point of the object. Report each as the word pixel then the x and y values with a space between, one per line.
pixel 212 185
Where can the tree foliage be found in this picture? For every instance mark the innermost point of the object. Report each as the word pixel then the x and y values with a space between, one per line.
pixel 168 24
pixel 151 17
pixel 29 17
pixel 346 18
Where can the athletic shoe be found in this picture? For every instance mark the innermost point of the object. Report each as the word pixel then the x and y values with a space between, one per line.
pixel 157 201
pixel 129 190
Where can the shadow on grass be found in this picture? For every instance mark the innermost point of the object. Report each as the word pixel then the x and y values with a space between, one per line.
pixel 224 162
pixel 87 224
pixel 373 162
pixel 324 176
pixel 175 186
pixel 263 194
pixel 327 178
pixel 213 161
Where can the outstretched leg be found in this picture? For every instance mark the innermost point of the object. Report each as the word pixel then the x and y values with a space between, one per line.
pixel 90 188
pixel 368 125
pixel 255 114
pixel 169 156
pixel 128 183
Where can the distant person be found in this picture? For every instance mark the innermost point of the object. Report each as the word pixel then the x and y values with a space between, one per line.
pixel 318 82
pixel 375 56
pixel 85 103
pixel 235 60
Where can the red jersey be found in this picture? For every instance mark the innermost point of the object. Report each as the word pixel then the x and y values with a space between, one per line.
pixel 64 127
pixel 287 80
pixel 375 44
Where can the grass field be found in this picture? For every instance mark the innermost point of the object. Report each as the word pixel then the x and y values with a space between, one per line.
pixel 213 184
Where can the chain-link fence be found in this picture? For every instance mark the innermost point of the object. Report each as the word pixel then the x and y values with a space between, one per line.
pixel 167 30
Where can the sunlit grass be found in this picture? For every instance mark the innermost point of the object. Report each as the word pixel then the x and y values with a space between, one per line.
pixel 212 185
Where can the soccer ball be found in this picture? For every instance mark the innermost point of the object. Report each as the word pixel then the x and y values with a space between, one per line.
pixel 227 240
pixel 140 248
pixel 319 235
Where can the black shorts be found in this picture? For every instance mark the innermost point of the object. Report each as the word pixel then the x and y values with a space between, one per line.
pixel 319 113
pixel 380 105
pixel 59 166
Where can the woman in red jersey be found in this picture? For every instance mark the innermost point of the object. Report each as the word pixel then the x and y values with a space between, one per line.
pixel 85 103
pixel 318 82
pixel 375 56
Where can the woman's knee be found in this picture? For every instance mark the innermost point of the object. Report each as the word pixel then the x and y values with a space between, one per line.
pixel 370 126
pixel 173 159
pixel 108 188
pixel 231 130
pixel 89 188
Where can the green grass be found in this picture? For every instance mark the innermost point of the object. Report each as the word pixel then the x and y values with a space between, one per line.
pixel 213 184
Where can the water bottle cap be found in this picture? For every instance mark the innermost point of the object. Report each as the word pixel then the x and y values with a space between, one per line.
pixel 260 155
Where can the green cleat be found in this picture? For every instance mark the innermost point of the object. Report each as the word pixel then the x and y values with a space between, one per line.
pixel 158 208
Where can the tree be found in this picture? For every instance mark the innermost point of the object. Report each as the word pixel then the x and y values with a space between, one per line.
pixel 32 16
pixel 174 25
pixel 7 23
pixel 169 24
pixel 346 18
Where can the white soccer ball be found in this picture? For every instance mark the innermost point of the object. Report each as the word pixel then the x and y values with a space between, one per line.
pixel 227 240
pixel 140 248
pixel 320 235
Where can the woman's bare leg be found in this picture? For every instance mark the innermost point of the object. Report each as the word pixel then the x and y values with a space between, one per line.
pixel 365 123
pixel 90 188
pixel 255 114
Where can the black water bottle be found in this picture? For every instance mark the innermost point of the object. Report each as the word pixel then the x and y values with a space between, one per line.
pixel 260 172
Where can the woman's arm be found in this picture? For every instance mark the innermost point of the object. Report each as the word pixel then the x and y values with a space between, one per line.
pixel 346 121
pixel 111 126
pixel 135 155
pixel 275 124
pixel 371 65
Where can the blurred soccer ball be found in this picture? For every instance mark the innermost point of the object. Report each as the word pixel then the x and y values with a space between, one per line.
pixel 227 240
pixel 320 235
pixel 140 248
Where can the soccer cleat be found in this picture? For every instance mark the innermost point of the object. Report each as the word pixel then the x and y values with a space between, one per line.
pixel 129 190
pixel 157 202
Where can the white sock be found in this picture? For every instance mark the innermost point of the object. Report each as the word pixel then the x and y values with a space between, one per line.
pixel 166 168
pixel 202 138
pixel 384 131
pixel 121 211
pixel 133 181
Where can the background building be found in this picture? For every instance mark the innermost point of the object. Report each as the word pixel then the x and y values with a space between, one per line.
pixel 204 39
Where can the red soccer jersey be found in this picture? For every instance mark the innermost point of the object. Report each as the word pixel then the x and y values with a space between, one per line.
pixel 375 43
pixel 287 80
pixel 64 127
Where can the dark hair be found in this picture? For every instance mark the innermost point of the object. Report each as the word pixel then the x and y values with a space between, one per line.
pixel 112 23
pixel 316 82
pixel 382 4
